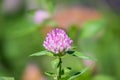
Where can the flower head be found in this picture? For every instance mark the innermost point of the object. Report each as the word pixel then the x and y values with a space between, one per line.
pixel 40 16
pixel 57 41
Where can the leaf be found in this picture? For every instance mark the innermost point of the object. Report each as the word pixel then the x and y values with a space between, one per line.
pixel 6 78
pixel 77 74
pixel 55 63
pixel 71 52
pixel 91 28
pixel 42 53
pixel 80 55
pixel 49 73
pixel 65 73
pixel 67 70
pixel 62 72
pixel 65 78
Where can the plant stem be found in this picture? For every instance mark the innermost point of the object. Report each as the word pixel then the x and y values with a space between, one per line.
pixel 59 69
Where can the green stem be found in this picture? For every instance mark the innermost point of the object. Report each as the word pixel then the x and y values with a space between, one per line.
pixel 59 69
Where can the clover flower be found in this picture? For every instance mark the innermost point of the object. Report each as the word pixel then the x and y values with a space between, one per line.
pixel 41 16
pixel 57 41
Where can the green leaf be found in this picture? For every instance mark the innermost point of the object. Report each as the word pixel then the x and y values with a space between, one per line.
pixel 91 28
pixel 6 78
pixel 77 74
pixel 65 78
pixel 42 53
pixel 80 55
pixel 65 73
pixel 67 70
pixel 55 63
pixel 49 74
pixel 62 72
pixel 71 52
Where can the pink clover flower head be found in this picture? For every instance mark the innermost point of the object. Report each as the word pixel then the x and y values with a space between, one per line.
pixel 40 16
pixel 57 41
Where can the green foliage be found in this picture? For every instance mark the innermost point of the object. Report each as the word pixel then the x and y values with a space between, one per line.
pixel 50 74
pixel 73 32
pixel 91 28
pixel 78 74
pixel 42 53
pixel 21 28
pixel 6 78
pixel 47 5
pixel 55 63
pixel 67 70
pixel 80 55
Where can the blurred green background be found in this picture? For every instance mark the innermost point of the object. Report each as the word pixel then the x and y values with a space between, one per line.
pixel 98 37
